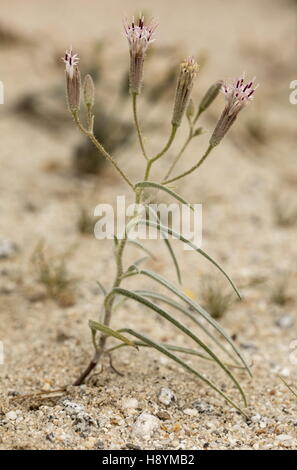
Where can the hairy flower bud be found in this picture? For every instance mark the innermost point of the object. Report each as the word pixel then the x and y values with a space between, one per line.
pixel 187 74
pixel 73 90
pixel 237 95
pixel 89 92
pixel 73 81
pixel 139 36
pixel 210 96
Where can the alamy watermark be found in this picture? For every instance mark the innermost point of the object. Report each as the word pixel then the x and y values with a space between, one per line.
pixel 150 222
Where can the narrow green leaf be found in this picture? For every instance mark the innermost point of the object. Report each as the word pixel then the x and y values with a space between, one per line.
pixel 94 325
pixel 180 326
pixel 186 312
pixel 137 262
pixel 142 247
pixel 197 308
pixel 101 287
pixel 179 361
pixel 172 347
pixel 179 236
pixel 152 184
pixel 288 386
pixel 168 245
pixel 174 259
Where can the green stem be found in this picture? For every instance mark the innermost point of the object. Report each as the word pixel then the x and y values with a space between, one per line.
pixel 108 303
pixel 182 150
pixel 101 149
pixel 160 154
pixel 137 126
pixel 210 147
pixel 184 147
pixel 169 142
pixel 197 116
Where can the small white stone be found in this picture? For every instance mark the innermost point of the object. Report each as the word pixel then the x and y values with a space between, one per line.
pixel 286 321
pixel 283 437
pixel 203 407
pixel 129 403
pixel 145 425
pixel 166 396
pixel 7 248
pixel 12 415
pixel 72 408
pixel 190 412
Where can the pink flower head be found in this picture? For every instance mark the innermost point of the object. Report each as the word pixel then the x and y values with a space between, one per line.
pixel 70 60
pixel 238 94
pixel 139 35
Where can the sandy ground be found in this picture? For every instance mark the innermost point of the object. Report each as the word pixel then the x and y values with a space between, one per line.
pixel 47 342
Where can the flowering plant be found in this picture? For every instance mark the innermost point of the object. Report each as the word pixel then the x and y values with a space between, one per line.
pixel 140 36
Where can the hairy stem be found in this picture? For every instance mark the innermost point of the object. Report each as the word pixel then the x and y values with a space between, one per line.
pixel 137 126
pixel 182 175
pixel 180 153
pixel 108 303
pixel 90 134
pixel 160 154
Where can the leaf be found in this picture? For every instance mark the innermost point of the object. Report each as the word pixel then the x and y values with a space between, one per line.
pixel 180 326
pixel 179 361
pixel 152 184
pixel 171 347
pixel 174 259
pixel 101 287
pixel 289 386
pixel 142 247
pixel 137 262
pixel 192 245
pixel 168 244
pixel 110 332
pixel 186 312
pixel 198 309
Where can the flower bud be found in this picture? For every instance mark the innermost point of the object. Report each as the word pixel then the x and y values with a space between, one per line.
pixel 198 131
pixel 210 96
pixel 89 92
pixel 187 74
pixel 73 82
pixel 73 90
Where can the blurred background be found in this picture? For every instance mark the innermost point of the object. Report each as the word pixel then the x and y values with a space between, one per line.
pixel 51 179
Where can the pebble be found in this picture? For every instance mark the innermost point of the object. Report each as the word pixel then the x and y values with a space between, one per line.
pixel 163 415
pixel 190 411
pixel 72 408
pixel 203 407
pixel 8 287
pixel 7 249
pixel 82 420
pixel 145 425
pixel 11 415
pixel 166 396
pixel 129 403
pixel 283 437
pixel 285 321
